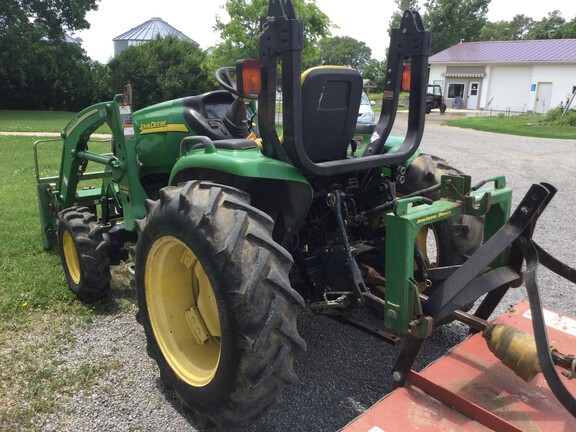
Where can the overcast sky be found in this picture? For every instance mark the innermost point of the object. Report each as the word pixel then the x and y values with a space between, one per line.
pixel 366 21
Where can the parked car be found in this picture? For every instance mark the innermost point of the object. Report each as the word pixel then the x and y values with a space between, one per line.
pixel 366 113
pixel 365 125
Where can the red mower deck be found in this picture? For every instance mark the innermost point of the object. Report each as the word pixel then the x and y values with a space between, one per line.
pixel 469 389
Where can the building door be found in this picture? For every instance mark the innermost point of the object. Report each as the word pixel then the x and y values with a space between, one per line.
pixel 473 93
pixel 543 96
pixel 456 94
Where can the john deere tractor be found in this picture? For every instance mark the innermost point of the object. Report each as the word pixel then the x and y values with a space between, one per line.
pixel 232 228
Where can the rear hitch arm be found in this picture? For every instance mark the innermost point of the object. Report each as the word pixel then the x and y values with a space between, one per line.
pixel 465 284
pixel 334 200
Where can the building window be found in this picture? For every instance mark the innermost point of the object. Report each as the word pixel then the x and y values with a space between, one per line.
pixel 455 90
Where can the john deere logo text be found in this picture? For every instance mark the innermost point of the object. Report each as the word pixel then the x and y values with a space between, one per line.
pixel 153 125
pixel 161 127
pixel 433 217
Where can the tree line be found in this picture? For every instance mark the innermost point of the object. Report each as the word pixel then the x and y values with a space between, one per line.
pixel 40 69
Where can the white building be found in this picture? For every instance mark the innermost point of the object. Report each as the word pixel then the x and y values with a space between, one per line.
pixel 517 76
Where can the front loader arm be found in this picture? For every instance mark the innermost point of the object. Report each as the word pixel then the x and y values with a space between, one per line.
pixel 120 167
pixel 76 135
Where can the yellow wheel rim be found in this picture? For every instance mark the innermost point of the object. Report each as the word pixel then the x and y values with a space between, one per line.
pixel 71 257
pixel 427 241
pixel 183 311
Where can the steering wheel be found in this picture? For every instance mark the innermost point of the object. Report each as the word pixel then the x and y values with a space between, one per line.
pixel 224 78
pixel 227 82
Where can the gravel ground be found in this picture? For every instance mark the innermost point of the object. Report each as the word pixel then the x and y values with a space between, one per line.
pixel 344 371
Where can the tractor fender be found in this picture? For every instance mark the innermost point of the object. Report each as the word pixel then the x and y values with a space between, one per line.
pixel 275 187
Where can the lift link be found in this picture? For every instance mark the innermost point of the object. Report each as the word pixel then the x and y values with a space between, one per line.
pixel 334 200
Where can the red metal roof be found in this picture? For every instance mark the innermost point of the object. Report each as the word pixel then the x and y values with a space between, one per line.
pixel 518 51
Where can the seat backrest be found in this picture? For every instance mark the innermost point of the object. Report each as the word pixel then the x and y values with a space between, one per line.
pixel 330 103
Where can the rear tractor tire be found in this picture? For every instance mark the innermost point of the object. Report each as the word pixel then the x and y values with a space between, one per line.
pixel 448 242
pixel 84 254
pixel 215 302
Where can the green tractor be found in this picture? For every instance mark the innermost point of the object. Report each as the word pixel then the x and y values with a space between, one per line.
pixel 232 228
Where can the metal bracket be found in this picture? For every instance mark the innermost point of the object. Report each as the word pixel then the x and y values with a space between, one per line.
pixel 449 296
pixel 282 34
pixel 458 188
pixel 463 283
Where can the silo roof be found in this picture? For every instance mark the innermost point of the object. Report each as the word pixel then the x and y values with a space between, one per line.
pixel 150 29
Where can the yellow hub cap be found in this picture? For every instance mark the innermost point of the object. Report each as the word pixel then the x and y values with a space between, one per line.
pixel 71 257
pixel 183 311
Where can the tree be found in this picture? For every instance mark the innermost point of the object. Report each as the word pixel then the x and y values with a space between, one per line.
pixel 51 76
pixel 453 21
pixel 34 57
pixel 344 51
pixel 52 18
pixel 569 30
pixel 160 70
pixel 551 27
pixel 241 34
pixel 375 71
pixel 495 31
pixel 520 26
pixel 516 29
pixel 63 74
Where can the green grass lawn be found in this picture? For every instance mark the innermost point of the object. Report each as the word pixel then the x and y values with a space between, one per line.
pixel 38 313
pixel 33 121
pixel 38 121
pixel 533 125
pixel 32 278
pixel 524 125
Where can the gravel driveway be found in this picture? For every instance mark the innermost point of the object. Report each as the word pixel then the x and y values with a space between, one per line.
pixel 344 370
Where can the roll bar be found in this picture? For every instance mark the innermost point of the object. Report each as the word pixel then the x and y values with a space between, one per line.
pixel 282 40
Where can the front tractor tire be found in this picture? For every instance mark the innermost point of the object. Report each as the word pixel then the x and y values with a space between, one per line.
pixel 215 302
pixel 83 253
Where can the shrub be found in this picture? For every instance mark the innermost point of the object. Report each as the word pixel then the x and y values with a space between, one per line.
pixel 555 116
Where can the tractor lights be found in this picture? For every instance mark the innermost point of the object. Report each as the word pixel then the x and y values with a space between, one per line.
pixel 248 78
